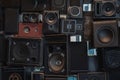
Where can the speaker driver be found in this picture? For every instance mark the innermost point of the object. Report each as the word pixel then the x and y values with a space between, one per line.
pixel 15 76
pixel 51 18
pixel 21 52
pixel 105 35
pixel 56 62
pixel 112 58
pixel 74 11
pixel 108 9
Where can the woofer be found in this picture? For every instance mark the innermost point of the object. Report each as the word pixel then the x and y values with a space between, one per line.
pixel 56 62
pixel 105 33
pixel 108 9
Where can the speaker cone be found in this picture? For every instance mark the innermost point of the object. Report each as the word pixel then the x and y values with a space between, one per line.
pixel 21 52
pixel 51 18
pixel 56 62
pixel 108 9
pixel 74 11
pixel 105 35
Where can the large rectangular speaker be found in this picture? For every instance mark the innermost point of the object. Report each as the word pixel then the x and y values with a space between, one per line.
pixel 33 5
pixel 111 58
pixel 77 57
pixel 92 76
pixel 75 8
pixel 11 20
pixel 18 73
pixel 60 5
pixel 25 52
pixel 105 33
pixel 55 55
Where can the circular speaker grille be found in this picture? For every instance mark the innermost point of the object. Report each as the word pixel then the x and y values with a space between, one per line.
pixel 74 11
pixel 33 18
pixel 56 62
pixel 15 76
pixel 105 35
pixel 21 52
pixel 51 18
pixel 112 58
pixel 108 9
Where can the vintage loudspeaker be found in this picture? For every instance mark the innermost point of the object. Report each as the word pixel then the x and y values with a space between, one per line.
pixel 75 8
pixel 77 57
pixel 11 17
pixel 55 58
pixel 72 26
pixel 25 52
pixel 37 76
pixel 33 5
pixel 60 5
pixel 50 22
pixel 3 49
pixel 105 33
pixel 30 25
pixel 92 76
pixel 16 73
pixel 106 9
pixel 111 58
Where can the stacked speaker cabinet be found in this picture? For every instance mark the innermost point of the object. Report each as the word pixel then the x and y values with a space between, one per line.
pixel 75 8
pixel 51 22
pixel 60 5
pixel 111 61
pixel 105 33
pixel 37 76
pixel 30 25
pixel 77 57
pixel 25 52
pixel 55 56
pixel 11 17
pixel 106 9
pixel 16 73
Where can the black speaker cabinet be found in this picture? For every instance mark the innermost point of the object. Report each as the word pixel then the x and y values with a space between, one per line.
pixel 105 33
pixel 3 49
pixel 75 8
pixel 106 9
pixel 71 26
pixel 55 58
pixel 92 76
pixel 16 73
pixel 50 22
pixel 11 20
pixel 77 57
pixel 33 5
pixel 111 58
pixel 25 52
pixel 60 5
